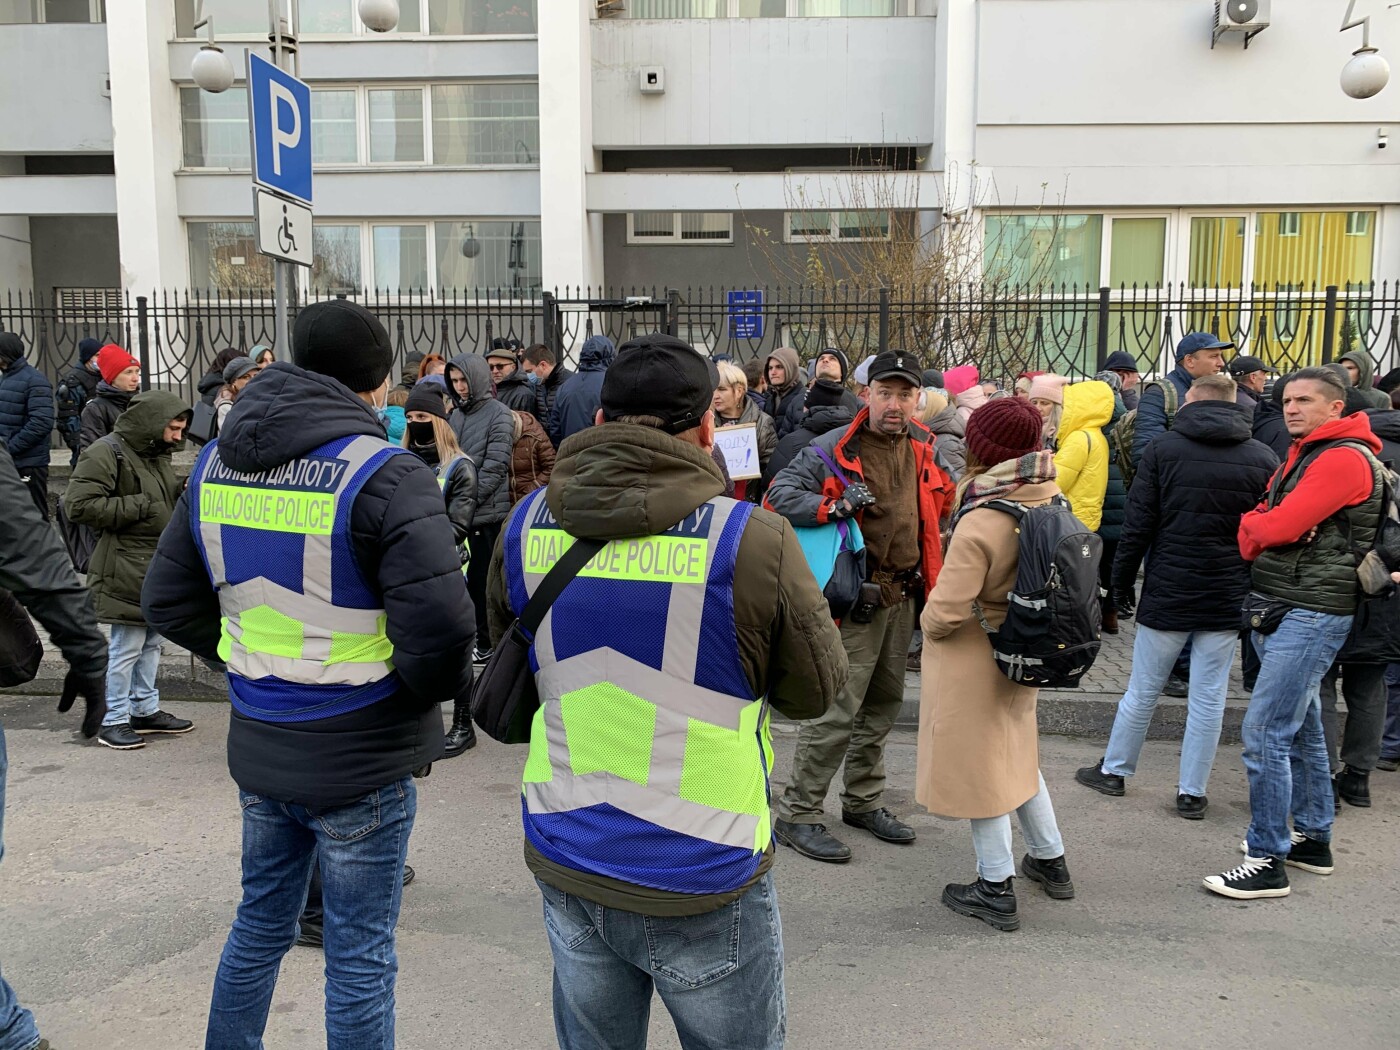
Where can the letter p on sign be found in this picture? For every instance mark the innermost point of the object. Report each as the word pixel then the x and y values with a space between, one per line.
pixel 284 112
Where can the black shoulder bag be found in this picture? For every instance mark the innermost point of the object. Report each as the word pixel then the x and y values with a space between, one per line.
pixel 504 700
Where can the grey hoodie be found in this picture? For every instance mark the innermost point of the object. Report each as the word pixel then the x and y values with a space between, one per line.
pixel 485 429
pixel 1366 377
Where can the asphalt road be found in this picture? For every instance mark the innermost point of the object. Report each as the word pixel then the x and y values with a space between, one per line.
pixel 121 876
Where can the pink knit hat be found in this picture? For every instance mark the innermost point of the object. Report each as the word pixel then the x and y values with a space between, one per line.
pixel 1050 387
pixel 956 380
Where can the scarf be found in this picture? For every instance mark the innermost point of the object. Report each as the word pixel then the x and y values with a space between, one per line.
pixel 1005 478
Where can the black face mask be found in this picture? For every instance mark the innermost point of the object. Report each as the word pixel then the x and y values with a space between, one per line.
pixel 422 440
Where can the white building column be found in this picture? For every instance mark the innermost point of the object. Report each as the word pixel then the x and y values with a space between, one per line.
pixel 146 147
pixel 16 260
pixel 571 239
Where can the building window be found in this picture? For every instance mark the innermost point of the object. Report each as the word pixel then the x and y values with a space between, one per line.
pixel 336 266
pixel 838 226
pixel 765 8
pixel 224 258
pixel 396 126
pixel 338 17
pixel 1289 223
pixel 846 8
pixel 1359 223
pixel 486 123
pixel 215 128
pixel 400 256
pixel 680 227
pixel 1307 249
pixel 478 17
pixel 491 254
pixel 35 12
pixel 334 130
pixel 1043 249
pixel 1137 251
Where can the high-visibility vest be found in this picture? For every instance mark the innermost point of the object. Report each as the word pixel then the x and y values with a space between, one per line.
pixel 649 755
pixel 302 631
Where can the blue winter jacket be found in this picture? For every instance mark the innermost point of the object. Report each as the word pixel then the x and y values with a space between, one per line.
pixel 1152 410
pixel 26 406
pixel 579 398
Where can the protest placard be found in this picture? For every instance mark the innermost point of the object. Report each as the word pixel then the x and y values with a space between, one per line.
pixel 739 446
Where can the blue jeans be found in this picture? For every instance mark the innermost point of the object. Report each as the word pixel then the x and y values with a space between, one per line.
pixel 1154 656
pixel 1285 753
pixel 1390 742
pixel 362 848
pixel 991 837
pixel 17 1031
pixel 133 657
pixel 720 974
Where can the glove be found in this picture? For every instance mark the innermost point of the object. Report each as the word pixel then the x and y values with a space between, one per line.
pixel 856 498
pixel 1125 600
pixel 94 693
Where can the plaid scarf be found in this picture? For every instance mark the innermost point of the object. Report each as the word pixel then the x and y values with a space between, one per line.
pixel 1005 478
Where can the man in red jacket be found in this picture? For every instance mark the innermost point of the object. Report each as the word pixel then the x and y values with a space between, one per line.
pixel 1322 507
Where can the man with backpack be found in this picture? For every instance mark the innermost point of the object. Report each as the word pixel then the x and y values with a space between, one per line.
pixel 1198 354
pixel 1323 507
pixel 881 470
pixel 75 390
pixel 1183 514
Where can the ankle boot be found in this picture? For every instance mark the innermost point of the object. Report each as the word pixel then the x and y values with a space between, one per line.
pixel 461 737
pixel 1353 787
pixel 992 902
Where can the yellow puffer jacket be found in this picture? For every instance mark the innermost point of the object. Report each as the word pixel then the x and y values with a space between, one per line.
pixel 1081 458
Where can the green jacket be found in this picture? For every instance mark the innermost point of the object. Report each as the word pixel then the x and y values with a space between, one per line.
pixel 127 504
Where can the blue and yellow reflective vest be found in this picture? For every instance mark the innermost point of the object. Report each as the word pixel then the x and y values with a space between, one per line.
pixel 649 755
pixel 302 631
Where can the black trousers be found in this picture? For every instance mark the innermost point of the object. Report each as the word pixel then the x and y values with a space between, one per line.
pixel 37 480
pixel 1357 741
pixel 1110 549
pixel 481 542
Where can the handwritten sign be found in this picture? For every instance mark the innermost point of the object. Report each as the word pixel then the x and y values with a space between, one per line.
pixel 739 446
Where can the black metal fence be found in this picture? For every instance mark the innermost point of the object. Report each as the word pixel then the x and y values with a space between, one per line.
pixel 1003 330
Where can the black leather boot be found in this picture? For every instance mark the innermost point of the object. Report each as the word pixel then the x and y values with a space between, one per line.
pixel 462 736
pixel 992 902
pixel 1353 787
pixel 812 840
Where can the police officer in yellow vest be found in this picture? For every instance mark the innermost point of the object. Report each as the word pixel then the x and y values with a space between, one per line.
pixel 645 793
pixel 317 561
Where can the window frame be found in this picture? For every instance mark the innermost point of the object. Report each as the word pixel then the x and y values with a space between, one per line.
pixel 358 29
pixel 675 238
pixel 903 9
pixel 833 227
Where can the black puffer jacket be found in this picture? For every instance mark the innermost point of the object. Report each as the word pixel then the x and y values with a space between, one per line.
pixel 26 406
pixel 1385 424
pixel 517 393
pixel 576 405
pixel 1269 427
pixel 1192 485
pixel 100 414
pixel 814 424
pixel 402 542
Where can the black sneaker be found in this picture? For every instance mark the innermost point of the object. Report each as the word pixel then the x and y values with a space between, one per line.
pixel 480 655
pixel 1104 783
pixel 1052 874
pixel 812 840
pixel 408 874
pixel 1353 787
pixel 1257 877
pixel 881 823
pixel 1191 807
pixel 310 935
pixel 119 738
pixel 992 902
pixel 160 722
pixel 1388 763
pixel 1176 686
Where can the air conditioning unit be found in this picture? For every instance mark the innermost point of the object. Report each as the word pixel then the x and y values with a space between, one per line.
pixel 1247 17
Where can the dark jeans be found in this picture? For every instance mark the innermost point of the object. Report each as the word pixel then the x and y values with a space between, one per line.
pixel 1390 741
pixel 17 1031
pixel 37 479
pixel 1358 744
pixel 1249 660
pixel 719 974
pixel 480 543
pixel 1106 602
pixel 361 847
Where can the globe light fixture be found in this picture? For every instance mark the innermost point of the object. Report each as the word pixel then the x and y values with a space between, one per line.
pixel 211 69
pixel 471 247
pixel 379 15
pixel 1366 74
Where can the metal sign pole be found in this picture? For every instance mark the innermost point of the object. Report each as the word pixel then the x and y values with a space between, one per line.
pixel 284 49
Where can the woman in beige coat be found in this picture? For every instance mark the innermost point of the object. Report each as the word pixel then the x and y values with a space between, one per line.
pixel 978 749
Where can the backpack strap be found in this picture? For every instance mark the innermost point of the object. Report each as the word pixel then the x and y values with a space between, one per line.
pixel 831 463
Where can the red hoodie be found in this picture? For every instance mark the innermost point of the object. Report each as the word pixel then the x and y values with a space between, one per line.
pixel 1339 477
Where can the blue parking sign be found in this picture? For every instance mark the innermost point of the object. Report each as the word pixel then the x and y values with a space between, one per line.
pixel 279 114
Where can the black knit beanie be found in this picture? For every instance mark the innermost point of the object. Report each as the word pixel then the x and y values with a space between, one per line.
pixel 426 397
pixel 343 340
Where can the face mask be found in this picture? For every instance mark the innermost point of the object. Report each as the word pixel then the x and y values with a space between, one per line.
pixel 381 412
pixel 421 434
pixel 532 379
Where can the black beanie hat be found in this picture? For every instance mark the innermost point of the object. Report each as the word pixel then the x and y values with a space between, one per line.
pixel 343 340
pixel 426 397
pixel 841 359
pixel 87 350
pixel 824 394
pixel 659 375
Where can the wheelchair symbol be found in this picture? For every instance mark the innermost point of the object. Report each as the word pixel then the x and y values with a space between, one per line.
pixel 286 240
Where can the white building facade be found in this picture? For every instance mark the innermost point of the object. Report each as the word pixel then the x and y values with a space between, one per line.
pixel 533 144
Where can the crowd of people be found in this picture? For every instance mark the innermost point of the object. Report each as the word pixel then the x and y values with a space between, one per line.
pixel 353 542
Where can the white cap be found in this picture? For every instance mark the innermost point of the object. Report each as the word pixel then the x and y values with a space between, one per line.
pixel 862 372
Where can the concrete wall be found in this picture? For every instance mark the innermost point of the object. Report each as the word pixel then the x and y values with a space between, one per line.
pixel 75 251
pixel 1103 103
pixel 767 81
pixel 65 66
pixel 758 257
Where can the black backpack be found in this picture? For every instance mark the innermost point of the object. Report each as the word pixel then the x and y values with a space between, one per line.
pixel 1051 634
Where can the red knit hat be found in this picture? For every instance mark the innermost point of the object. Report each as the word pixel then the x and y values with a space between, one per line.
pixel 1006 428
pixel 112 361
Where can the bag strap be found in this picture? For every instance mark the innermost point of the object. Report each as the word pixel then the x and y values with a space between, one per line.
pixel 841 477
pixel 554 582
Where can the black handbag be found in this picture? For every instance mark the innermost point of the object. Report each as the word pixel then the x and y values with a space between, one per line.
pixel 504 700
pixel 1262 613
pixel 20 648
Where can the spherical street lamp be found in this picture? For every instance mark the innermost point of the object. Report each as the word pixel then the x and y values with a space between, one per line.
pixel 211 69
pixel 379 15
pixel 1366 74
